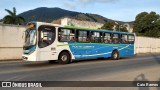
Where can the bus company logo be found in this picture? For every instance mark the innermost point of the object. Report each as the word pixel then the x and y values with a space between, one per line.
pixel 6 84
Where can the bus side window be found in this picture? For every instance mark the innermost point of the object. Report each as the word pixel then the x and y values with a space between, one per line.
pixel 66 35
pixel 95 37
pixel 72 36
pixel 116 39
pixel 107 38
pixel 82 36
pixel 124 39
pixel 131 39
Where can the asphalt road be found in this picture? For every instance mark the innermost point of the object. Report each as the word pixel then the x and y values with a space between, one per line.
pixel 140 67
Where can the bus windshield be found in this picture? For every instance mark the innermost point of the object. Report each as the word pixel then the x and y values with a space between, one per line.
pixel 30 38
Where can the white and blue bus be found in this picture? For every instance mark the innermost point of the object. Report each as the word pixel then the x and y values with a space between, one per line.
pixel 46 41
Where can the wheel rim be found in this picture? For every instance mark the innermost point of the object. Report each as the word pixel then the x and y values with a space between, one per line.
pixel 64 58
pixel 115 55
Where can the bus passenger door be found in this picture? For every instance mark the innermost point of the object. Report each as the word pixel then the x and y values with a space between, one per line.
pixel 45 42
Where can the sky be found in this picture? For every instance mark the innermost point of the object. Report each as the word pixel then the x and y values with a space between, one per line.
pixel 121 10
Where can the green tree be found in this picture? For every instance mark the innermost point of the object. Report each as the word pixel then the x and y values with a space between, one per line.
pixel 120 27
pixel 114 26
pixel 12 18
pixel 108 26
pixel 147 24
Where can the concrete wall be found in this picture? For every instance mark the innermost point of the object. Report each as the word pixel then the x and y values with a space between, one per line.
pixel 11 41
pixel 147 45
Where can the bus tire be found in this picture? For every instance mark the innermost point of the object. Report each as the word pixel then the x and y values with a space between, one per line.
pixel 115 55
pixel 64 58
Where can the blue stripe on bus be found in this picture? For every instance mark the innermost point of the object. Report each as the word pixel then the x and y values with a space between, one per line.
pixel 91 50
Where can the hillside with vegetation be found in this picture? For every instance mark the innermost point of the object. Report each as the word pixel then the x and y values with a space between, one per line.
pixel 145 24
pixel 49 14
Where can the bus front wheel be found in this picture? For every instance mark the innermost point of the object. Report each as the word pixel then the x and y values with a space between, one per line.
pixel 64 58
pixel 115 55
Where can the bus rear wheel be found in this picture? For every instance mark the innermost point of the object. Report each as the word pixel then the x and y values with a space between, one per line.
pixel 115 55
pixel 64 58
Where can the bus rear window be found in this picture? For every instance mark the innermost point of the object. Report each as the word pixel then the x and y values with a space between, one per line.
pixel 124 39
pixel 131 39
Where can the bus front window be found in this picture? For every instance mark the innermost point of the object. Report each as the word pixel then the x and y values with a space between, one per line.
pixel 30 38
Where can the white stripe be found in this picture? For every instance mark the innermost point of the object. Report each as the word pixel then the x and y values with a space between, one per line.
pixel 123 48
pixel 93 54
